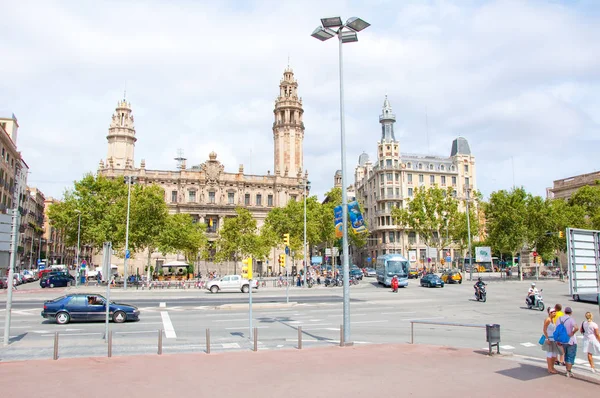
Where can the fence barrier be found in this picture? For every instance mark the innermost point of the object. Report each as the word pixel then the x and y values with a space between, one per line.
pixel 207 340
pixel 492 331
pixel 55 356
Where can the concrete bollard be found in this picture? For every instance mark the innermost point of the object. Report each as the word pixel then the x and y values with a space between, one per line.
pixel 110 343
pixel 55 356
pixel 208 341
pixel 341 335
pixel 299 337
pixel 255 339
pixel 412 332
pixel 160 334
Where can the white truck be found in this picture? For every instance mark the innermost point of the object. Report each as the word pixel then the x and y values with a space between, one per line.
pixel 230 283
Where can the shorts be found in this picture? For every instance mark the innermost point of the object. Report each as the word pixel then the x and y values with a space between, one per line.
pixel 551 348
pixel 570 353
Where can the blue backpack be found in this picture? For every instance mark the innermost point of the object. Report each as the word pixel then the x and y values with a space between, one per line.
pixel 561 335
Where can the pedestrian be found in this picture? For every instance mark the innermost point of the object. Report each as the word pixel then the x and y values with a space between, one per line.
pixel 591 339
pixel 14 283
pixel 560 359
pixel 550 345
pixel 570 348
pixel 395 284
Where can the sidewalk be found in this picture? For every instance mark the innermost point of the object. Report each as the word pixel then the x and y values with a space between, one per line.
pixel 374 371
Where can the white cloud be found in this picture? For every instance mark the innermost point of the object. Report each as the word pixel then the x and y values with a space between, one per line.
pixel 517 79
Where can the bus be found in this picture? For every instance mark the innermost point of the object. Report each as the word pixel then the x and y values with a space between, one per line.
pixel 389 265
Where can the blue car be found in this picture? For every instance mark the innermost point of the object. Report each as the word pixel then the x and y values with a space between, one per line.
pixel 432 280
pixel 87 307
pixel 57 280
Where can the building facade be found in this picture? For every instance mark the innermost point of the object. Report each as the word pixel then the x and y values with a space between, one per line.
pixel 10 161
pixel 207 191
pixel 563 189
pixel 390 181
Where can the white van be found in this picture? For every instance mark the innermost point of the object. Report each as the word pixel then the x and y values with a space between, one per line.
pixel 58 267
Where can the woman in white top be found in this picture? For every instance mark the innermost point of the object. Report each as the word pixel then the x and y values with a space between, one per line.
pixel 550 345
pixel 591 339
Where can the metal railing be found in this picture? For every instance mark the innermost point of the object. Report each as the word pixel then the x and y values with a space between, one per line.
pixel 491 341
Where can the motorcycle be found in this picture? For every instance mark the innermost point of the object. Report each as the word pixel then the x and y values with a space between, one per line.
pixel 310 282
pixel 328 282
pixel 537 303
pixel 481 295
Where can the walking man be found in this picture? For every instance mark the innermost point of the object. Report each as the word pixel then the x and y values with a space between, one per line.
pixel 570 347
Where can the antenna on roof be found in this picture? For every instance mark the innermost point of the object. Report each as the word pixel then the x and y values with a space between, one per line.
pixel 427 129
pixel 180 159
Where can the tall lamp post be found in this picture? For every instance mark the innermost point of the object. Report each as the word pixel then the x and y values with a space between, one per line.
pixel 129 181
pixel 78 242
pixel 469 237
pixel 306 187
pixel 346 33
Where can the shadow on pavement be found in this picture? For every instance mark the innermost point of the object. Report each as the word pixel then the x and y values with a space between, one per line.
pixel 525 372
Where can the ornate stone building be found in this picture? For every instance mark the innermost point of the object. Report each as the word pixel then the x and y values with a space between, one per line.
pixel 563 189
pixel 391 180
pixel 207 191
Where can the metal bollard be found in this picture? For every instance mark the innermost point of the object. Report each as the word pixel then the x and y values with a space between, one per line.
pixel 208 341
pixel 110 344
pixel 341 335
pixel 255 339
pixel 412 332
pixel 55 356
pixel 299 337
pixel 160 333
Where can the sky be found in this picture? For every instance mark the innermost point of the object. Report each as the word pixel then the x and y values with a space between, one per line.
pixel 519 80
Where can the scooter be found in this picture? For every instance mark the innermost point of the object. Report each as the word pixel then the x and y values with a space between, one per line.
pixel 537 303
pixel 482 295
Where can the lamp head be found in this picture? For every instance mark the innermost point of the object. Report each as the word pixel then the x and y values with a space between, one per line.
pixel 322 33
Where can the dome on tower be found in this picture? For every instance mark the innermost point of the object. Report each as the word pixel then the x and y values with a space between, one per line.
pixel 212 155
pixel 460 146
pixel 363 159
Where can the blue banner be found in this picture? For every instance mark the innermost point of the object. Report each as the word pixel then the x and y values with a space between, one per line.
pixel 337 217
pixel 356 218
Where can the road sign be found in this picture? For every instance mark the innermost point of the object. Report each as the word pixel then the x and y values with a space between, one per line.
pixel 448 259
pixel 583 251
pixel 483 254
pixel 127 253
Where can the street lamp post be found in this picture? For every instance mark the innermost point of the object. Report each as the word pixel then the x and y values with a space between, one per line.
pixel 306 187
pixel 128 180
pixel 78 242
pixel 346 33
pixel 469 238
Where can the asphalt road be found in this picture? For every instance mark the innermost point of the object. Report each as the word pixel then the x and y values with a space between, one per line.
pixel 377 316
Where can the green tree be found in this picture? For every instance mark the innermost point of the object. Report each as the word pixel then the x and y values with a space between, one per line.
pixel 587 198
pixel 239 238
pixel 506 216
pixel 459 229
pixel 429 213
pixel 182 235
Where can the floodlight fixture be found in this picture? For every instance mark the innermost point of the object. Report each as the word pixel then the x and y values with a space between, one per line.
pixel 357 24
pixel 322 33
pixel 332 22
pixel 349 36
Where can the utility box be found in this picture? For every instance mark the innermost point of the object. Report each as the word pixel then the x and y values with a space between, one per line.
pixel 492 336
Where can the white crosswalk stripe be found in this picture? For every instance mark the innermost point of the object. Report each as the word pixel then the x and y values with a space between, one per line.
pixel 528 344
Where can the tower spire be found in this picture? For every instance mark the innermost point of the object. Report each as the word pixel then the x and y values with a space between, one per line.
pixel 121 137
pixel 387 120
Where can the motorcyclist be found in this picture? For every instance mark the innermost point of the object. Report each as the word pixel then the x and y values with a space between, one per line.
pixel 478 285
pixel 531 293
pixel 395 284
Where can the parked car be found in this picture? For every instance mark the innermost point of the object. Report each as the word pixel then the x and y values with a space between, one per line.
pixel 60 280
pixel 3 282
pixel 356 272
pixel 87 307
pixel 432 280
pixel 452 277
pixel 586 297
pixel 231 283
pixel 370 272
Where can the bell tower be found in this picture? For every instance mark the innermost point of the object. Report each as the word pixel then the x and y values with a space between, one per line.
pixel 121 138
pixel 288 128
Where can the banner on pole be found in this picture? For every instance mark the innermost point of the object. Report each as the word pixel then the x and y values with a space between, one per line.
pixel 337 217
pixel 356 219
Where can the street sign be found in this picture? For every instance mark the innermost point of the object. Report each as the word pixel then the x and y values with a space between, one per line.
pixel 42 267
pixel 583 251
pixel 127 253
pixel 448 259
pixel 483 254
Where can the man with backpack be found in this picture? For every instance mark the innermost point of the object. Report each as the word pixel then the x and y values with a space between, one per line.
pixel 566 327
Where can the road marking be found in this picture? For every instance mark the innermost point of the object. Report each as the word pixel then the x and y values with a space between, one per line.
pixel 370 321
pixel 279 345
pixel 162 304
pixel 41 331
pixel 137 332
pixel 507 347
pixel 73 334
pixel 528 344
pixel 230 320
pixel 580 361
pixel 168 325
pixel 421 319
pixel 230 345
pixel 229 314
pixel 152 323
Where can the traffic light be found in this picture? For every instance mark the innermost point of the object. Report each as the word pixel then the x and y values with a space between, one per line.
pixel 539 259
pixel 286 239
pixel 247 268
pixel 282 260
pixel 561 234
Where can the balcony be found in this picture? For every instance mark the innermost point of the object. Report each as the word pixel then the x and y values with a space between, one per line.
pixel 388 197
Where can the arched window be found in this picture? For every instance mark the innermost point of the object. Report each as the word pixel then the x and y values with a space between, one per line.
pixel 420 166
pixel 442 167
pixel 408 165
pixel 430 166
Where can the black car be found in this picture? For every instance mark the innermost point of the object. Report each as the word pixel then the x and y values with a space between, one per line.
pixel 87 307
pixel 432 280
pixel 356 272
pixel 61 280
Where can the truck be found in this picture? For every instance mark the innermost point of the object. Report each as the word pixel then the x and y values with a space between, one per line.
pixel 230 283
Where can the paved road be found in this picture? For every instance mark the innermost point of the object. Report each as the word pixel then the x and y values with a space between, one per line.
pixel 377 316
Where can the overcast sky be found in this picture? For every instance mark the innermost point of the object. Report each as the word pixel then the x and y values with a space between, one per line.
pixel 520 80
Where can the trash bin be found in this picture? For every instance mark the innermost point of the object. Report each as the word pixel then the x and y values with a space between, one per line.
pixel 492 333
